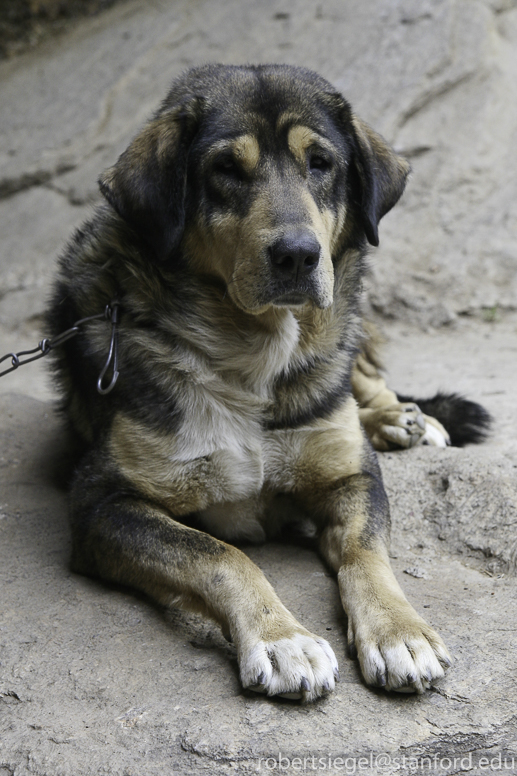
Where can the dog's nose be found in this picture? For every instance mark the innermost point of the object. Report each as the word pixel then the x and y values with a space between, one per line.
pixel 295 254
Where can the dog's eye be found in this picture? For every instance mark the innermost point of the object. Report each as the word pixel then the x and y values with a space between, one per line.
pixel 317 162
pixel 226 165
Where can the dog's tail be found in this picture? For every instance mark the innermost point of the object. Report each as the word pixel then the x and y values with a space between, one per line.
pixel 465 421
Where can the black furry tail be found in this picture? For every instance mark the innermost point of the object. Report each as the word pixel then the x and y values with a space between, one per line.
pixel 464 420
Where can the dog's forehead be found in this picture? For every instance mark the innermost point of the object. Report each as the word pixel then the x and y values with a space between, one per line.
pixel 256 121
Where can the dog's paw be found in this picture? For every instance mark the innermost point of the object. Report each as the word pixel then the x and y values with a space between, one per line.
pixel 399 425
pixel 302 666
pixel 403 654
pixel 434 433
pixel 402 425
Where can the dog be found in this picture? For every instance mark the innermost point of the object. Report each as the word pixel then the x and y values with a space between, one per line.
pixel 233 238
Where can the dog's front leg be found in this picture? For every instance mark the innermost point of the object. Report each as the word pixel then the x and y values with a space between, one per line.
pixel 122 535
pixel 396 648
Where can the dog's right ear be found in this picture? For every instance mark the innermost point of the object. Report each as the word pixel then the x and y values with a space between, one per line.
pixel 147 185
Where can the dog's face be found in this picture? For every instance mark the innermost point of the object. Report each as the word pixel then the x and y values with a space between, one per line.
pixel 260 177
pixel 270 209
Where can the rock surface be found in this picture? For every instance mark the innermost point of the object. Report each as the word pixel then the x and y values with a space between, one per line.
pixel 95 680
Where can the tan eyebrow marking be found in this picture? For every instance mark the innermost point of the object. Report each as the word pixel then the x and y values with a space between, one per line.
pixel 247 151
pixel 300 138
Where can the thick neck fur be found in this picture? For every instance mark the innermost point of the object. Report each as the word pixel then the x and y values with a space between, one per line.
pixel 243 349
pixel 287 363
pixel 252 352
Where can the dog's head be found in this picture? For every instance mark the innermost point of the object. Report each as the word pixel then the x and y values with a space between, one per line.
pixel 258 176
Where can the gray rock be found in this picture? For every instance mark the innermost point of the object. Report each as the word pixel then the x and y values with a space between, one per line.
pixel 34 224
pixel 465 501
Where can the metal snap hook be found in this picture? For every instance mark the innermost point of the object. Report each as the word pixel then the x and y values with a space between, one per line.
pixel 111 313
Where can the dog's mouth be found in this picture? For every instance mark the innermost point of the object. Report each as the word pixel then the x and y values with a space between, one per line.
pixel 298 295
pixel 293 299
pixel 254 296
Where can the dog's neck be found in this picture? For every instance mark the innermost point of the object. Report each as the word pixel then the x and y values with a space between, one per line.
pixel 245 349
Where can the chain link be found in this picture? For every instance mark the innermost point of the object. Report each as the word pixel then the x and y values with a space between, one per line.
pixel 46 345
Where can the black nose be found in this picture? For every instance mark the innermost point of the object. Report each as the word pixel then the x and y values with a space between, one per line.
pixel 295 254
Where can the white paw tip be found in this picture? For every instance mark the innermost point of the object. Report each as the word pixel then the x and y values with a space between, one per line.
pixel 433 437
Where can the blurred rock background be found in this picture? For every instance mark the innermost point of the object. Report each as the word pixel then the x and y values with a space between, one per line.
pixel 25 23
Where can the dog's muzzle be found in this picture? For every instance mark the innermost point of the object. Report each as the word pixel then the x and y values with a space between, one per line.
pixel 294 257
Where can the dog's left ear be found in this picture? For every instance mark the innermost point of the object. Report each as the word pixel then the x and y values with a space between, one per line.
pixel 382 176
pixel 147 185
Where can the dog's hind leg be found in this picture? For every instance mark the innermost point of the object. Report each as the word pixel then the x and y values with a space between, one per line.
pixel 389 421
pixel 123 537
pixel 392 420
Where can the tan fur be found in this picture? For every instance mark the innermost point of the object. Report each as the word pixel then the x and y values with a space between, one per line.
pixel 247 152
pixel 301 138
pixel 305 462
pixel 376 146
pixel 384 627
pixel 157 465
pixel 369 386
pixel 308 460
pixel 162 135
pixel 285 119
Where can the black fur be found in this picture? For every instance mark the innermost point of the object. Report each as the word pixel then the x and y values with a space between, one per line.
pixel 465 421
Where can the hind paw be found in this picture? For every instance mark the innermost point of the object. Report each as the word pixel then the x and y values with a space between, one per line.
pixel 434 434
pixel 402 426
pixel 398 425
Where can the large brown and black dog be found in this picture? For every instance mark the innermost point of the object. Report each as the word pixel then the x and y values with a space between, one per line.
pixel 233 238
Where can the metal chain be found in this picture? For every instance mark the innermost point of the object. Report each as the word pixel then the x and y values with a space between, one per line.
pixel 46 345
